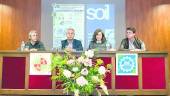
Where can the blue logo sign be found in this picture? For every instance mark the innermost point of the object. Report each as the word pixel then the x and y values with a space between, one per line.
pixel 126 64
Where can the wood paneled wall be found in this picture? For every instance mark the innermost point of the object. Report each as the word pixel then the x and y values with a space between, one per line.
pixel 152 21
pixel 17 18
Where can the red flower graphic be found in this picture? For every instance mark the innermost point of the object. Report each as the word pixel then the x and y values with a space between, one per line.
pixel 42 62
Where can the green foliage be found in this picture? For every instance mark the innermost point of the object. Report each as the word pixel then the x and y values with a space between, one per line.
pixel 77 73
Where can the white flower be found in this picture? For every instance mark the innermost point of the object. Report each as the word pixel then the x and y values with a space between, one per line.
pixel 76 92
pixel 88 62
pixel 75 69
pixel 89 53
pixel 80 59
pixel 71 61
pixel 102 70
pixel 95 78
pixel 81 81
pixel 84 71
pixel 67 73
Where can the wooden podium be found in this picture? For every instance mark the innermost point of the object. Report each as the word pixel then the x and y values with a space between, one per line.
pixel 152 78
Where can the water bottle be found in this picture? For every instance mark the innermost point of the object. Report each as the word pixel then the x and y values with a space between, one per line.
pixel 22 46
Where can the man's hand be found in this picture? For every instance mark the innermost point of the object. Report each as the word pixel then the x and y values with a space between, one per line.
pixel 33 49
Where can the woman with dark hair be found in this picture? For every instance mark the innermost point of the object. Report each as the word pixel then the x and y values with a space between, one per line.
pixel 98 40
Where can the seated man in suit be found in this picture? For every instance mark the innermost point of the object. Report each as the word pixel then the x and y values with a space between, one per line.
pixel 34 44
pixel 70 43
pixel 131 42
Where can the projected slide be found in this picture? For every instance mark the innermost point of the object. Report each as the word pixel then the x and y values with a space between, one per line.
pixel 67 16
pixel 85 19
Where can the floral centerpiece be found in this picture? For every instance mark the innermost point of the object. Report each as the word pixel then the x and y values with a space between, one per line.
pixel 79 75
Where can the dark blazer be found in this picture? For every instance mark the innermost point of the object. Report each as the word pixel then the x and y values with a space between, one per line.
pixel 76 44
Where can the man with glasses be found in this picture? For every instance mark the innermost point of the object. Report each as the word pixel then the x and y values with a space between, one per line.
pixel 131 42
pixel 70 43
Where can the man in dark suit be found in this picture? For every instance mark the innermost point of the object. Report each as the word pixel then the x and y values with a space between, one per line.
pixel 70 43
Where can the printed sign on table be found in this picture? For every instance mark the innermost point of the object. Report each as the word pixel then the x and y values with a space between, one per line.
pixel 40 63
pixel 126 64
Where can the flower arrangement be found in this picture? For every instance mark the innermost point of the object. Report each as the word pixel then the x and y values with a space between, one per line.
pixel 80 75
